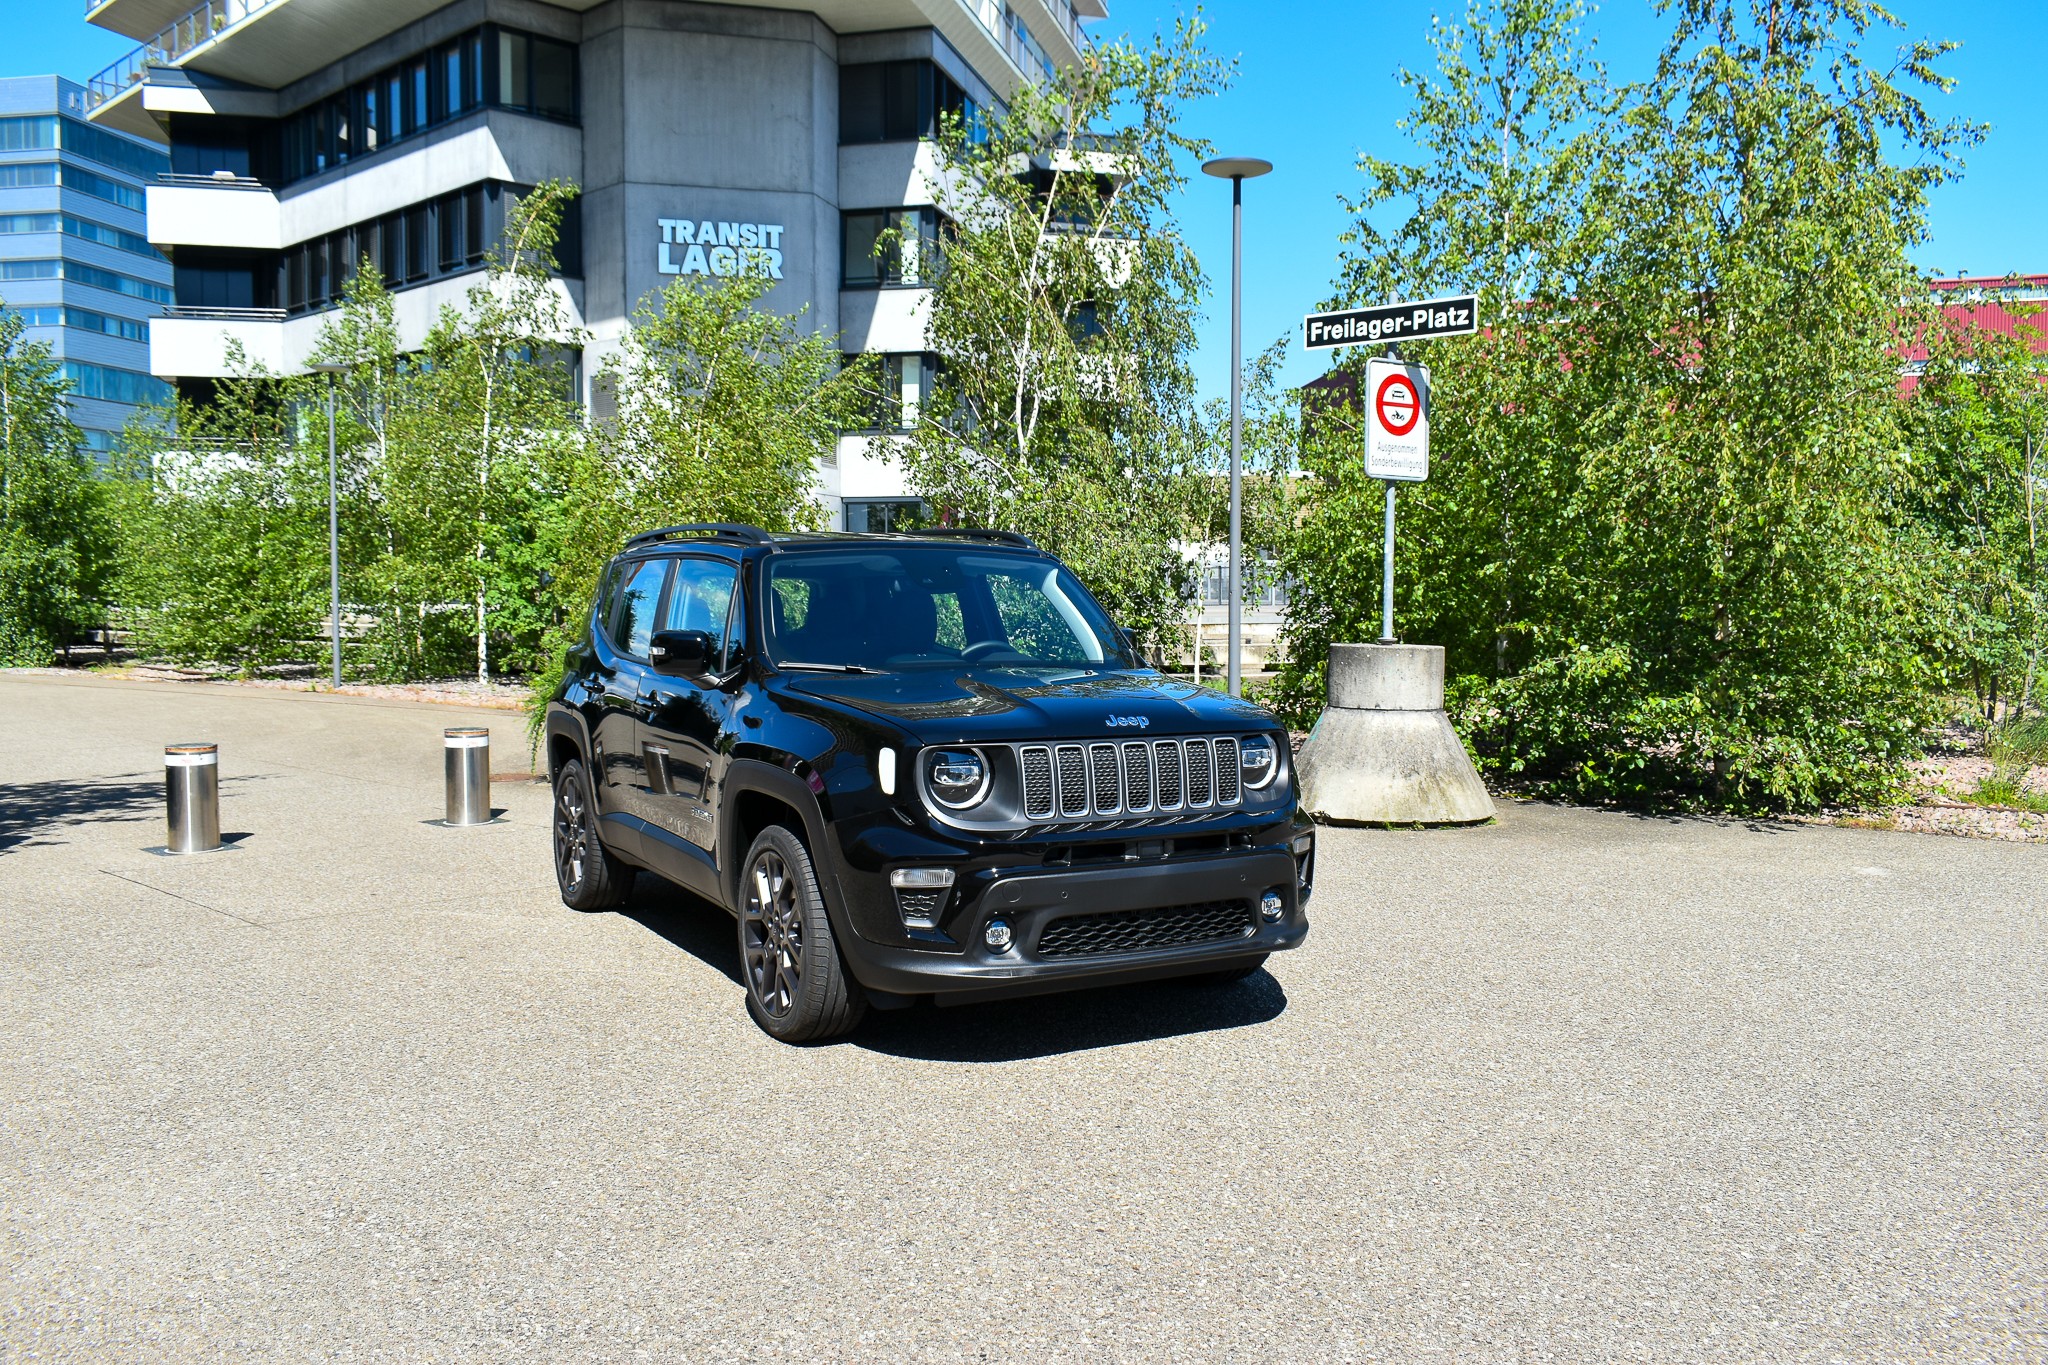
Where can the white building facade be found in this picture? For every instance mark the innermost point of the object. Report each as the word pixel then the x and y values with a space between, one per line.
pixel 305 135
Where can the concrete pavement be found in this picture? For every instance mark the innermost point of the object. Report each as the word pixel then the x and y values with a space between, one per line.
pixel 1573 1086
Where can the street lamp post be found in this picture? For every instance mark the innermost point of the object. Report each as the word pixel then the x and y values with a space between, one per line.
pixel 331 369
pixel 1237 170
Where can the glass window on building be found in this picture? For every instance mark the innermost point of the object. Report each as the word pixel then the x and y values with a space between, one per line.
pixel 888 247
pixel 878 516
pixel 899 384
pixel 898 102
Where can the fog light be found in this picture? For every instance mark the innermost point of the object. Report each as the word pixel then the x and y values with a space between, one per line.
pixel 1272 905
pixel 997 936
pixel 1303 843
pixel 921 894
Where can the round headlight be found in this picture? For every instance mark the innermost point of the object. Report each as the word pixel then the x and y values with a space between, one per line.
pixel 958 778
pixel 1258 760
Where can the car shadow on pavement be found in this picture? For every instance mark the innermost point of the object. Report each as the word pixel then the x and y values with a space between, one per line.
pixel 32 812
pixel 998 1031
pixel 1048 1025
pixel 687 920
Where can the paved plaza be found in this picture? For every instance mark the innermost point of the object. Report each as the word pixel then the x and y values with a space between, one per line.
pixel 1572 1086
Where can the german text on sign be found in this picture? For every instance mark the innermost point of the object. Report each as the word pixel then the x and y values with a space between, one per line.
pixel 1397 421
pixel 1392 322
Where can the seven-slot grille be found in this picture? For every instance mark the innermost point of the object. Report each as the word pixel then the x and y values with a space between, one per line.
pixel 1164 776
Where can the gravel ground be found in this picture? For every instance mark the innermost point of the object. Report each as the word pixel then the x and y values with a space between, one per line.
pixel 1572 1086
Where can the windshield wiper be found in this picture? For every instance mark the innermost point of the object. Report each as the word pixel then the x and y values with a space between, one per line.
pixel 831 668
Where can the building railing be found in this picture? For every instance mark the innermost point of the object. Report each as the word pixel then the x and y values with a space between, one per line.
pixel 1007 28
pixel 219 180
pixel 179 40
pixel 197 313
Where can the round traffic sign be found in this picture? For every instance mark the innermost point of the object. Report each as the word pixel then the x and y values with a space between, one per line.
pixel 1398 404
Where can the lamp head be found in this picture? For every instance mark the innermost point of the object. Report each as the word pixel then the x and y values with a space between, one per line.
pixel 1236 167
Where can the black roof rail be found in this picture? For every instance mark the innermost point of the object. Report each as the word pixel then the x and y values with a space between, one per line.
pixel 728 530
pixel 980 533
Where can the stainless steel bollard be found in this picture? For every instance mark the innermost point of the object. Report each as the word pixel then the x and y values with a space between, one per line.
pixel 469 775
pixel 192 797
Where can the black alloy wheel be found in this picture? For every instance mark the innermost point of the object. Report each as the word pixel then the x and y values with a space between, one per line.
pixel 798 989
pixel 589 875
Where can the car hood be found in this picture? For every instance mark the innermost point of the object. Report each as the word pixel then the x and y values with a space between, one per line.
pixel 959 705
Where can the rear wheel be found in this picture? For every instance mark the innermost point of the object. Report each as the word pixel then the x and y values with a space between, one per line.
pixel 590 875
pixel 798 989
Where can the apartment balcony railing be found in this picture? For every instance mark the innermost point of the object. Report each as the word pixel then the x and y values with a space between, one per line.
pixel 219 180
pixel 200 313
pixel 1007 28
pixel 178 41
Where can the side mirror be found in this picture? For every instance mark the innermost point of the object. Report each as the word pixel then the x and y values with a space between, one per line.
pixel 680 653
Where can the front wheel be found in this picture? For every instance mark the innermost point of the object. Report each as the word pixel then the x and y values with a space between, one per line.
pixel 590 876
pixel 798 989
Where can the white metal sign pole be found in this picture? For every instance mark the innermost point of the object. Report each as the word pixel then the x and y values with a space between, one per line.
pixel 1387 581
pixel 1387 549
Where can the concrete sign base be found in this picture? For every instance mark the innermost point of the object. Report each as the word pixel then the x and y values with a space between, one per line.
pixel 1384 751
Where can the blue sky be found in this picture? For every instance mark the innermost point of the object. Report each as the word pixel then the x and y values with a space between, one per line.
pixel 1316 87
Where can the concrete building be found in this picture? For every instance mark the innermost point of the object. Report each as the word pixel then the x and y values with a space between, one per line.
pixel 75 261
pixel 306 134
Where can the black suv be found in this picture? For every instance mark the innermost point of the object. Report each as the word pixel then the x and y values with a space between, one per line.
pixel 914 766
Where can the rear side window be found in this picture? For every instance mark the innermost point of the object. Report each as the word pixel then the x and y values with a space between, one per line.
pixel 608 597
pixel 633 627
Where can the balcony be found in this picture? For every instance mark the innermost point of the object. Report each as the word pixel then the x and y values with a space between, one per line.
pixel 170 46
pixel 264 44
pixel 222 211
pixel 194 342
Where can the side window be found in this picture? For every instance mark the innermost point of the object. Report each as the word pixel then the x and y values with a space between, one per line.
pixel 608 597
pixel 702 600
pixel 635 624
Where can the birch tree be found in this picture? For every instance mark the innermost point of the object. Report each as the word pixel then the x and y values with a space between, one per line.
pixel 1063 312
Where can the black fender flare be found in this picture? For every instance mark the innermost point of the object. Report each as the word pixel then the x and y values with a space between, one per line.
pixel 564 722
pixel 744 775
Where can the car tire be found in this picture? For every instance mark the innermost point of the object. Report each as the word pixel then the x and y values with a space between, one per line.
pixel 1231 974
pixel 798 988
pixel 591 876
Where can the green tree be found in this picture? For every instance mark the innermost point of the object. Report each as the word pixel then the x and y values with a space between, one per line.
pixel 1659 543
pixel 231 502
pixel 1975 430
pixel 1064 309
pixel 495 398
pixel 53 527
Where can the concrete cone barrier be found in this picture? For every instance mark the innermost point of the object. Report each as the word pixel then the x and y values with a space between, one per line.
pixel 1383 751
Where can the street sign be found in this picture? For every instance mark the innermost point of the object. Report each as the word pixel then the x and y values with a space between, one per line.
pixel 1392 322
pixel 1396 421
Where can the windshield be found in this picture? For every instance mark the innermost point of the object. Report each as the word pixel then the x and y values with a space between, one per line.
pixel 933 606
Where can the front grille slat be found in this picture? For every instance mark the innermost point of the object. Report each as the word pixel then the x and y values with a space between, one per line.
pixel 1229 772
pixel 1103 774
pixel 1136 931
pixel 1036 762
pixel 1137 777
pixel 1167 752
pixel 1201 772
pixel 1073 780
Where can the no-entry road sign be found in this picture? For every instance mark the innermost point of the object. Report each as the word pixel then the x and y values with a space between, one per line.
pixel 1396 421
pixel 1392 322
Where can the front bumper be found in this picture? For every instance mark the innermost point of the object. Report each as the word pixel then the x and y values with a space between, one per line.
pixel 1032 900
